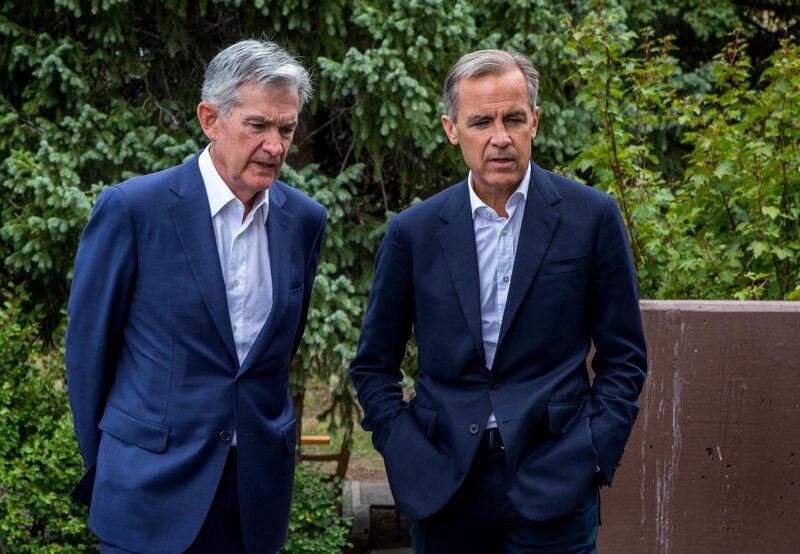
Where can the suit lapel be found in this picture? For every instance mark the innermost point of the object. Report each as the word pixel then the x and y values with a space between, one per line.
pixel 457 240
pixel 539 224
pixel 278 229
pixel 191 216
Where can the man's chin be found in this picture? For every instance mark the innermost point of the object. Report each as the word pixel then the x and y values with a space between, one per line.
pixel 502 180
pixel 261 183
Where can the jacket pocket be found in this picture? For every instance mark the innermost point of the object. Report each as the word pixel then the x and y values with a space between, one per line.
pixel 135 431
pixel 563 265
pixel 426 418
pixel 561 415
pixel 289 432
pixel 295 295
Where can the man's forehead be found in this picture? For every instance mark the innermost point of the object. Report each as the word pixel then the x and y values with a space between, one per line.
pixel 267 102
pixel 505 88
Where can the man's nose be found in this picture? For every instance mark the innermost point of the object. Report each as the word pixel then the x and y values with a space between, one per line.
pixel 500 137
pixel 272 144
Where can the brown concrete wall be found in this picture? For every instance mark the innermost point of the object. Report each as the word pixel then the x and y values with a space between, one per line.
pixel 713 465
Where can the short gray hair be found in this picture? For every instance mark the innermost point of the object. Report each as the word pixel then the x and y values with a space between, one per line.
pixel 252 61
pixel 487 62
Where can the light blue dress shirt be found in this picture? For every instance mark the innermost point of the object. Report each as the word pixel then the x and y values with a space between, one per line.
pixel 496 240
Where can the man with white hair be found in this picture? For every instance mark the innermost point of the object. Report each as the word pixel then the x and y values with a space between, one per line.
pixel 189 300
pixel 506 279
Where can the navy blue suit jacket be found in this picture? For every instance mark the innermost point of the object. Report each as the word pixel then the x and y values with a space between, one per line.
pixel 573 283
pixel 152 373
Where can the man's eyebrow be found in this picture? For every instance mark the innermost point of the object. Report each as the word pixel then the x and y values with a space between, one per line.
pixel 517 113
pixel 478 118
pixel 261 120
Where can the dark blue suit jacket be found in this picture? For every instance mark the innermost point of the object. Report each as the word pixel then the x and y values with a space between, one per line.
pixel 573 283
pixel 152 373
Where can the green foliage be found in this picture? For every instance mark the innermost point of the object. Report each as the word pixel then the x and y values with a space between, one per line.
pixel 630 95
pixel 316 526
pixel 340 290
pixel 699 148
pixel 39 463
pixel 740 198
pixel 704 20
pixel 726 224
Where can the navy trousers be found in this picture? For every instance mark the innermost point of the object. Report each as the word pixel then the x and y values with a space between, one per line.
pixel 222 530
pixel 480 519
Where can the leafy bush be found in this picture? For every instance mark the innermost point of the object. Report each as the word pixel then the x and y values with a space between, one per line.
pixel 722 222
pixel 40 462
pixel 39 459
pixel 316 525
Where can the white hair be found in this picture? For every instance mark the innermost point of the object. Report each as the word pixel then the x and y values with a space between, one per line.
pixel 252 61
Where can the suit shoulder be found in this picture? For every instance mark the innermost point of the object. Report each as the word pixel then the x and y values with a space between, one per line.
pixel 430 208
pixel 151 183
pixel 301 203
pixel 572 190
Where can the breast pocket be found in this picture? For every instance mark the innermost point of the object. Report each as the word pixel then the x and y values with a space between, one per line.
pixel 295 295
pixel 563 265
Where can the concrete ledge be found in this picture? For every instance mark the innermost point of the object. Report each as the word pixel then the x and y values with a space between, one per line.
pixel 713 464
pixel 735 306
pixel 377 526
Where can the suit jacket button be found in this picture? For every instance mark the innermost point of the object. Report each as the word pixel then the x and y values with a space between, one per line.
pixel 473 429
pixel 224 436
pixel 494 384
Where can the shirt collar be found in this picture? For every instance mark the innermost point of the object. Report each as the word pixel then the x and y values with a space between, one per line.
pixel 520 194
pixel 219 194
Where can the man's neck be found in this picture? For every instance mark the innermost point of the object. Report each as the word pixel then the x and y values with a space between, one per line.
pixel 495 198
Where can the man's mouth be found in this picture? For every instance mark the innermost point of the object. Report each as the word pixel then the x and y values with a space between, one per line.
pixel 501 162
pixel 265 166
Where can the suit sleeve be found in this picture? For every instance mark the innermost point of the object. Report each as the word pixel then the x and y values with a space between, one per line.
pixel 620 361
pixel 105 269
pixel 375 370
pixel 310 274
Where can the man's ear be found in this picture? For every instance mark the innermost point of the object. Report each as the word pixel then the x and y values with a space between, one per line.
pixel 209 117
pixel 450 129
pixel 536 113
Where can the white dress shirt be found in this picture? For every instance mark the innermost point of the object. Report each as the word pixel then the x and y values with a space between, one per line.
pixel 496 240
pixel 243 255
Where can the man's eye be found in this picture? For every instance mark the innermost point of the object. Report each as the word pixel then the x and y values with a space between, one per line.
pixel 287 131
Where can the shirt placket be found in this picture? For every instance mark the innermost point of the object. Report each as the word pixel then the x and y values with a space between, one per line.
pixel 237 271
pixel 505 259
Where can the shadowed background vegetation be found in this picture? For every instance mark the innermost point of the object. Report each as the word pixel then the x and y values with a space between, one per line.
pixel 685 110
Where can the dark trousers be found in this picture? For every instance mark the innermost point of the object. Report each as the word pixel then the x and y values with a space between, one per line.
pixel 480 518
pixel 221 532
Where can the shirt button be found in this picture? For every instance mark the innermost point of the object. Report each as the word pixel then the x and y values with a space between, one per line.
pixel 236 283
pixel 505 279
pixel 224 436
pixel 504 232
pixel 234 328
pixel 473 429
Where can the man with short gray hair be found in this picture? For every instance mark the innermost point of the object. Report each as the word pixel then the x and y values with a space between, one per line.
pixel 506 280
pixel 189 299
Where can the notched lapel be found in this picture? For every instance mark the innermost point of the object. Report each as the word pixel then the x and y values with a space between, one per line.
pixel 457 240
pixel 279 232
pixel 192 219
pixel 539 223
